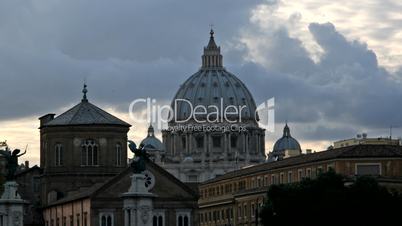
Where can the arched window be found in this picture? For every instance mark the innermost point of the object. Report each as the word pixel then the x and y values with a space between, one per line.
pixel 103 221
pixel 160 221
pixel 58 153
pixel 155 221
pixel 180 221
pixel 109 221
pixel 118 154
pixel 106 219
pixel 89 153
pixel 183 218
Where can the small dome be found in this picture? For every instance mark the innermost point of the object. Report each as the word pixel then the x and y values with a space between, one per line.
pixel 152 141
pixel 286 142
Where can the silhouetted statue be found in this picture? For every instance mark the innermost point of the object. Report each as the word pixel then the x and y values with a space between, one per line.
pixel 11 162
pixel 140 156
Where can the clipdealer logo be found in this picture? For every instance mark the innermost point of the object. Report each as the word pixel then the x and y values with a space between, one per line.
pixel 215 117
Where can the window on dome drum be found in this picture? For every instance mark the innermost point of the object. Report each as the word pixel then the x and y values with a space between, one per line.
pixel 118 154
pixel 200 141
pixel 89 153
pixel 58 155
pixel 233 141
pixel 216 141
pixel 183 142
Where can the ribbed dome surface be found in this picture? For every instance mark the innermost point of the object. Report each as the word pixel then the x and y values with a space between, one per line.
pixel 212 85
pixel 286 142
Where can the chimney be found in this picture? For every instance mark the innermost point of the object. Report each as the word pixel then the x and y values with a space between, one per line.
pixel 26 164
pixel 46 118
pixel 308 151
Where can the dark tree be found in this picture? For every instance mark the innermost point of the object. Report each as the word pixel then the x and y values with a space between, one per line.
pixel 328 201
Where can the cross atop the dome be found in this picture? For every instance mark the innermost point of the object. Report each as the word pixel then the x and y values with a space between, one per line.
pixel 212 30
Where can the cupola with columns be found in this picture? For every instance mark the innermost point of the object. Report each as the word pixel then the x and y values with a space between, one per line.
pixel 212 54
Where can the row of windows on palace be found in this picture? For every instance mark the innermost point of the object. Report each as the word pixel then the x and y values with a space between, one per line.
pixel 107 219
pixel 291 176
pixel 89 154
pixel 246 211
pixel 260 181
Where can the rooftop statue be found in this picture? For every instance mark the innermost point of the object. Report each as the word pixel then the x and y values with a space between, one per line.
pixel 11 161
pixel 140 156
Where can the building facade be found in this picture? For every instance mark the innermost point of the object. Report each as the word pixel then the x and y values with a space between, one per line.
pixel 200 144
pixel 236 197
pixel 174 203
pixel 84 174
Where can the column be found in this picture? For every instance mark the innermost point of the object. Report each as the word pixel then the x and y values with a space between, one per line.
pixel 225 145
pixel 230 142
pixel 209 143
pixel 174 144
pixel 243 135
pixel 189 143
pixel 204 137
pixel 257 144
pixel 247 148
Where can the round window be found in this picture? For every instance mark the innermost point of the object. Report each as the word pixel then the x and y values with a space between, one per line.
pixel 149 179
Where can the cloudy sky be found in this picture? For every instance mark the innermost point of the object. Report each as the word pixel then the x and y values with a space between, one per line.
pixel 334 67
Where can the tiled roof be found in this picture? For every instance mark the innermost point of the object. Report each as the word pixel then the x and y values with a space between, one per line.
pixel 357 151
pixel 86 113
pixel 89 192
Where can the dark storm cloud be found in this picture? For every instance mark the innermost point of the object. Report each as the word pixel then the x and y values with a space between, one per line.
pixel 125 49
pixel 346 87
